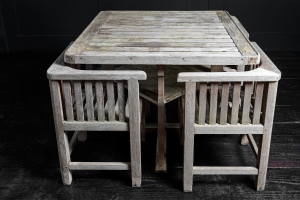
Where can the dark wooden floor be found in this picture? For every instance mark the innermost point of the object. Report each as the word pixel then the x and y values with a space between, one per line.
pixel 29 167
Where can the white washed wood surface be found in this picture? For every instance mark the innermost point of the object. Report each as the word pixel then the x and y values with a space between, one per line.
pixel 163 38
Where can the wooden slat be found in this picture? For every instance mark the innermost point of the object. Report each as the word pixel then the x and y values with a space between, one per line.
pixel 121 101
pixel 225 170
pixel 165 30
pixel 78 101
pixel 110 100
pixel 235 103
pixel 100 100
pixel 150 34
pixel 213 103
pixel 247 102
pixel 258 103
pixel 202 102
pixel 99 165
pixel 137 40
pixel 68 100
pixel 89 100
pixel 172 36
pixel 228 129
pixel 224 103
pixel 178 27
pixel 129 47
pixel 188 155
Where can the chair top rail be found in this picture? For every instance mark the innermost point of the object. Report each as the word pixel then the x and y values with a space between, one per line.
pixel 265 61
pixel 258 74
pixel 60 71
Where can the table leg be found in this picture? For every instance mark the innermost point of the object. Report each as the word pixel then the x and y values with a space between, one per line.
pixel 161 146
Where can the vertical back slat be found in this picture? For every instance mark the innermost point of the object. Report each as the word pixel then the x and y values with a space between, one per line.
pixel 202 103
pixel 235 103
pixel 257 103
pixel 121 101
pixel 110 100
pixel 68 100
pixel 100 101
pixel 247 102
pixel 213 103
pixel 78 101
pixel 224 103
pixel 89 100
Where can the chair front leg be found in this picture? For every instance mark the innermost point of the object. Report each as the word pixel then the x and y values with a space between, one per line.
pixel 61 135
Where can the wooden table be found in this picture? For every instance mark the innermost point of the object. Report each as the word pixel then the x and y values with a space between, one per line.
pixel 163 38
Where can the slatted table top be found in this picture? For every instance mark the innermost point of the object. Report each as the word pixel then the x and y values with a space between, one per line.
pixel 162 38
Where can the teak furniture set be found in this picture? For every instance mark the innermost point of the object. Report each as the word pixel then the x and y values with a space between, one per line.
pixel 164 56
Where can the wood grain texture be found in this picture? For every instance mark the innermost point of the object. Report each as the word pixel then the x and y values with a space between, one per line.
pixel 228 129
pixel 225 170
pixel 188 154
pixel 134 125
pixel 202 103
pixel 99 165
pixel 144 37
pixel 61 136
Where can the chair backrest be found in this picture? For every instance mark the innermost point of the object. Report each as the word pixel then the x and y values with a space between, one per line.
pixel 222 100
pixel 88 95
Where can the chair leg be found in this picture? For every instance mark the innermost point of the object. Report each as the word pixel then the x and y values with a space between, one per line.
pixel 265 139
pixel 188 155
pixel 61 135
pixel 134 126
pixel 181 113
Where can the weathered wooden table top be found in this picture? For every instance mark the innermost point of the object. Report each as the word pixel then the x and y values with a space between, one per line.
pixel 162 38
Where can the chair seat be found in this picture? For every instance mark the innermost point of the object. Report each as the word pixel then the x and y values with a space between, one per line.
pixel 173 89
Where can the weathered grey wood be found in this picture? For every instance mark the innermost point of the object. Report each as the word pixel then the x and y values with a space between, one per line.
pixel 61 136
pixel 96 126
pixel 121 101
pixel 202 102
pixel 225 170
pixel 110 100
pixel 265 141
pixel 68 100
pixel 134 124
pixel 111 29
pixel 161 146
pixel 73 141
pixel 228 129
pixel 100 101
pixel 89 100
pixel 258 103
pixel 238 37
pixel 78 101
pixel 235 103
pixel 224 103
pixel 99 165
pixel 188 155
pixel 258 74
pixel 253 145
pixel 246 109
pixel 213 103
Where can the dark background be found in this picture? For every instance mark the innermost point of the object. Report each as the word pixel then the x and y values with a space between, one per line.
pixel 50 25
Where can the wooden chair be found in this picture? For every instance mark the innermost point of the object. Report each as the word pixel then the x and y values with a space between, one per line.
pixel 84 100
pixel 218 110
